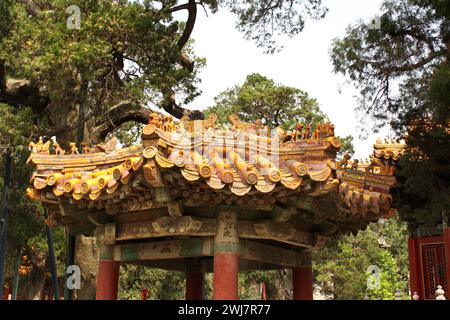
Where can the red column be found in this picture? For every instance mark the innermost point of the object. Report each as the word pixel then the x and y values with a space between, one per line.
pixel 414 280
pixel 226 269
pixel 107 280
pixel 6 292
pixel 194 285
pixel 144 294
pixel 302 283
pixel 446 232
pixel 226 257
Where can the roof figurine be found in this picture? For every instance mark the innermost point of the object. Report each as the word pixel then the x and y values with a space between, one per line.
pixel 40 146
pixel 237 124
pixel 58 149
pixel 73 148
pixel 86 148
pixel 187 124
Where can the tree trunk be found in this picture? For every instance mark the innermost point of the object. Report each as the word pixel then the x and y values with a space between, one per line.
pixel 35 287
pixel 79 130
pixel 86 257
pixel 281 288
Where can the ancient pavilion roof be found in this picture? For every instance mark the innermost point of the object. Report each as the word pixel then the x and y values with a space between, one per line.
pixel 196 164
pixel 219 167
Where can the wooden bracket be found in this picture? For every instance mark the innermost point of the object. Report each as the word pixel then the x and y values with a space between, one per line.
pixel 175 208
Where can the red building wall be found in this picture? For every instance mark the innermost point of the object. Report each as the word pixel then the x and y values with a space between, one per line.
pixel 427 264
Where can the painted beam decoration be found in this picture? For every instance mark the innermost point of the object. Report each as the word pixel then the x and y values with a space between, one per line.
pixel 286 187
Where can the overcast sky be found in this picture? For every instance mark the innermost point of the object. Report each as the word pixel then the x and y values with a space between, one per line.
pixel 304 63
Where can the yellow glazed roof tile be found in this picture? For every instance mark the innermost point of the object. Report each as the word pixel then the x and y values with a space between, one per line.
pixel 239 161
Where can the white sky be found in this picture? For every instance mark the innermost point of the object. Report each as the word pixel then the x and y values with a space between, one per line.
pixel 304 63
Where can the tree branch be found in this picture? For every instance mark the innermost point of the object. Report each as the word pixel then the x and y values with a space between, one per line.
pixel 191 6
pixel 169 105
pixel 2 77
pixel 411 67
pixel 119 114
pixel 187 63
pixel 190 23
pixel 21 93
pixel 169 102
pixel 184 6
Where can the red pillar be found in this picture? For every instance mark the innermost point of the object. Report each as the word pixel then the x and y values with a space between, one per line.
pixel 302 283
pixel 144 294
pixel 226 257
pixel 226 269
pixel 414 280
pixel 194 285
pixel 6 292
pixel 107 280
pixel 446 232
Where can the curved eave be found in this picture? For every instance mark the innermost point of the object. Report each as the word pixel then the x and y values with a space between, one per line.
pixel 317 172
pixel 366 193
pixel 59 162
pixel 101 176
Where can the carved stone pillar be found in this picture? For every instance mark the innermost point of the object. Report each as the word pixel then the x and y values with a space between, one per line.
pixel 226 257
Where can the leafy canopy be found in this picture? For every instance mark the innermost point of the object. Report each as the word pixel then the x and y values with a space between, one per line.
pixel 275 104
pixel 341 268
pixel 262 20
pixel 123 51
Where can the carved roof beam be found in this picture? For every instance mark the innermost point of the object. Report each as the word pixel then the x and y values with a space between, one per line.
pixel 198 227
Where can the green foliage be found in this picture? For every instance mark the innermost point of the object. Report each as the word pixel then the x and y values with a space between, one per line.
pixel 4 17
pixel 341 268
pixel 425 169
pixel 346 147
pixel 14 128
pixel 275 104
pixel 26 228
pixel 389 279
pixel 249 284
pixel 128 134
pixel 123 51
pixel 168 285
pixel 262 20
pixel 375 60
pixel 161 284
